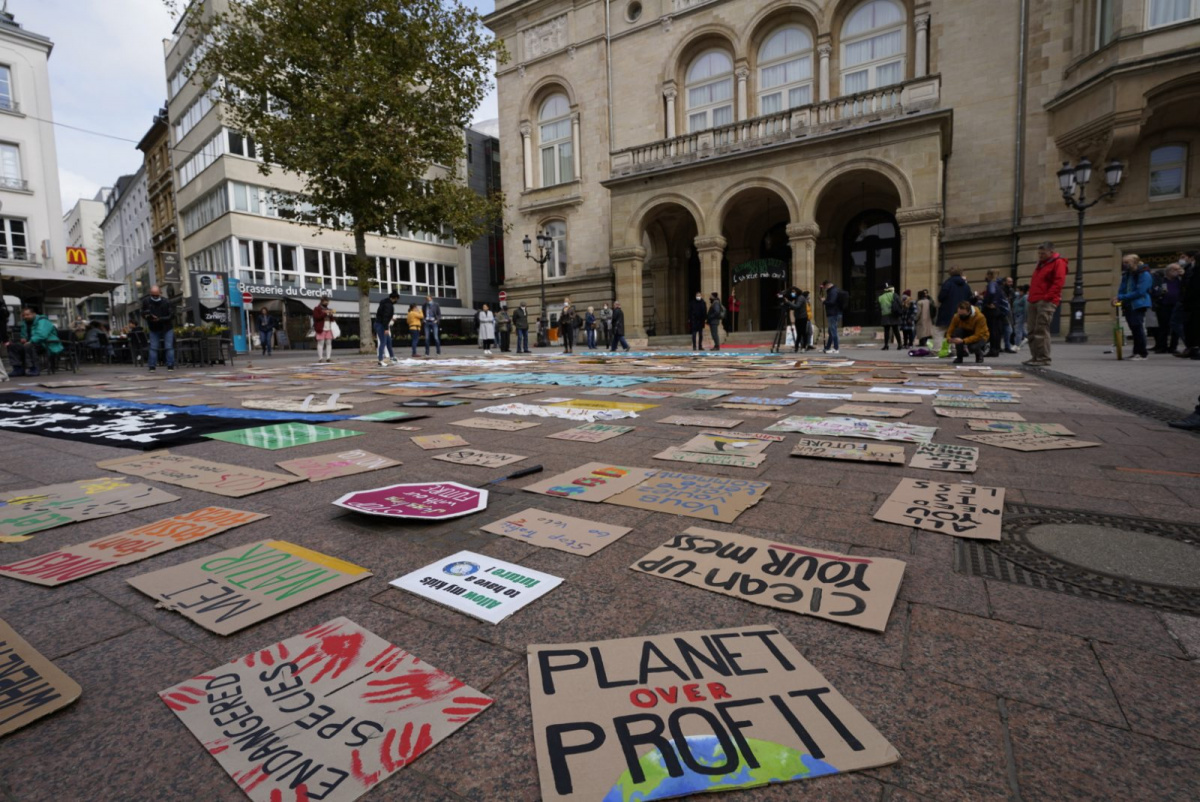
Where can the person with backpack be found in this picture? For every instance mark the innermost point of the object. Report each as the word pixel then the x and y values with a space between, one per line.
pixel 834 301
pixel 416 322
pixel 891 308
pixel 1134 298
pixel 521 324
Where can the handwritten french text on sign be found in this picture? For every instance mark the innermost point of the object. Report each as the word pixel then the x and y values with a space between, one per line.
pixel 30 685
pixel 479 586
pixel 428 501
pixel 334 711
pixel 481 459
pixel 946 457
pixel 592 433
pixel 962 510
pixel 712 498
pixel 1028 441
pixel 553 531
pixel 27 511
pixel 233 481
pixel 689 712
pixel 121 548
pixel 230 590
pixel 332 466
pixel 846 450
pixel 1000 426
pixel 730 460
pixel 852 590
pixel 595 481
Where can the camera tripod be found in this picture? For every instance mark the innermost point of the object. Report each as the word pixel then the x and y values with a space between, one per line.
pixel 781 330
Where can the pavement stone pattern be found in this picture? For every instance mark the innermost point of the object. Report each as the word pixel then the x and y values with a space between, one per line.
pixel 988 690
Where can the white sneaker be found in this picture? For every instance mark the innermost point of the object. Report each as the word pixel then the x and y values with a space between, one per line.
pixel 835 351
pixel 1135 357
pixel 383 363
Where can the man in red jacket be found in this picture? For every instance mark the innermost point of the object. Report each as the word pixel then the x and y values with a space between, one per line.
pixel 1045 294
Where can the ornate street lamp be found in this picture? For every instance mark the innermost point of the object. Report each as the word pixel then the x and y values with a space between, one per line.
pixel 543 255
pixel 1073 181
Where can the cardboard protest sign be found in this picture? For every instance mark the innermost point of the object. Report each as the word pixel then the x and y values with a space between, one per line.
pixel 27 511
pixel 975 414
pixel 554 531
pixel 962 510
pixel 642 392
pixel 1028 441
pixel 766 438
pixel 883 398
pixel 944 404
pixel 731 460
pixel 704 394
pixel 830 396
pixel 415 392
pixel 496 425
pixel 859 591
pixel 386 415
pixel 988 397
pixel 902 391
pixel 725 443
pixel 626 406
pixel 870 412
pixel 283 435
pixel 331 466
pixel 30 685
pixel 492 395
pixel 230 590
pixel 482 459
pixel 855 427
pixel 334 710
pixel 479 586
pixel 946 457
pixel 713 498
pixel 748 407
pixel 122 548
pixel 702 420
pixel 312 403
pixel 435 403
pixel 754 401
pixel 1003 426
pixel 742 706
pixel 592 432
pixel 595 481
pixel 233 481
pixel 565 413
pixel 846 450
pixel 426 501
pixel 430 442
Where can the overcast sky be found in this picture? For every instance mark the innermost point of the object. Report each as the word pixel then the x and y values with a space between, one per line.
pixel 106 75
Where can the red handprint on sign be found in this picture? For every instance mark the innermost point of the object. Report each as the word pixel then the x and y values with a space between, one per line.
pixel 411 689
pixel 467 707
pixel 265 656
pixel 182 698
pixel 408 750
pixel 340 652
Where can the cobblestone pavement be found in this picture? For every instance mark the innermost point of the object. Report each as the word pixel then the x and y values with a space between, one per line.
pixel 988 689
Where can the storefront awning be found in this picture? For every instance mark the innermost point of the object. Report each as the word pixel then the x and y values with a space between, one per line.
pixel 35 282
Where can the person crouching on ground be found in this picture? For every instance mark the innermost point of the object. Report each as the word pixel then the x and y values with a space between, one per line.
pixel 968 332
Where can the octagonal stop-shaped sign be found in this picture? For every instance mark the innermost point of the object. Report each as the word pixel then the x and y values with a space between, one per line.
pixel 426 501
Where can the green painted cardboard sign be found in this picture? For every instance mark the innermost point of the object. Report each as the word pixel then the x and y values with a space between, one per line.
pixel 283 435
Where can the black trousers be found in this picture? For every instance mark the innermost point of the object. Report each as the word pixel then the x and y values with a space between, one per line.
pixel 995 321
pixel 568 338
pixel 976 348
pixel 24 355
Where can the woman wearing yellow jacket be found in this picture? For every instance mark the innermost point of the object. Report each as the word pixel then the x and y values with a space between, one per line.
pixel 415 320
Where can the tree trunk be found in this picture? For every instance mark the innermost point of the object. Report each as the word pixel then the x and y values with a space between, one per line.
pixel 362 269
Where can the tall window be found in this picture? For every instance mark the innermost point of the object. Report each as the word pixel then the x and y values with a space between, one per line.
pixel 6 93
pixel 554 138
pixel 710 91
pixel 556 265
pixel 873 47
pixel 785 71
pixel 13 244
pixel 1105 19
pixel 1168 164
pixel 1166 12
pixel 10 166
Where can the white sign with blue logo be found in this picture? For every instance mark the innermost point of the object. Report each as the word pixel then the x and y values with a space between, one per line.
pixel 477 585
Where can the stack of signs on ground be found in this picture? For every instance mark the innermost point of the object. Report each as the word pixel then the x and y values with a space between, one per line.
pixel 121 548
pixel 592 432
pixel 595 481
pixel 712 498
pixel 31 685
pixel 336 710
pixel 29 511
pixel 949 508
pixel 479 586
pixel 426 501
pixel 742 708
pixel 199 474
pixel 846 450
pixel 554 531
pixel 1028 441
pixel 851 590
pixel 855 427
pixel 231 590
pixel 332 466
pixel 721 448
pixel 946 457
pixel 283 435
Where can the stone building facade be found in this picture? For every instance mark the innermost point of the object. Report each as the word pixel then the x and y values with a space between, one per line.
pixel 669 146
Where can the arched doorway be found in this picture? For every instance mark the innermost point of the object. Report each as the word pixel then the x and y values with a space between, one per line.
pixel 755 231
pixel 672 266
pixel 870 257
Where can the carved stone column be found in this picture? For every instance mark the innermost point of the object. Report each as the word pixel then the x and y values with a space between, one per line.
pixel 802 238
pixel 577 160
pixel 710 250
pixel 527 153
pixel 920 231
pixel 743 75
pixel 669 93
pixel 824 51
pixel 627 269
pixel 922 64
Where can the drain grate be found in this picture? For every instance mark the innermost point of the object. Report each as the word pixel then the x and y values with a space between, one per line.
pixel 1016 560
pixel 1114 398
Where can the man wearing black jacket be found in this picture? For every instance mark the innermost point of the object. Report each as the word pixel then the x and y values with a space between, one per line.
pixel 618 327
pixel 697 317
pixel 384 315
pixel 159 317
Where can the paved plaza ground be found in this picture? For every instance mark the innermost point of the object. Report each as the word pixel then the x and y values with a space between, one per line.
pixel 1077 681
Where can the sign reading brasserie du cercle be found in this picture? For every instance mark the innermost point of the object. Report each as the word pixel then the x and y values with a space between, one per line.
pixel 314 293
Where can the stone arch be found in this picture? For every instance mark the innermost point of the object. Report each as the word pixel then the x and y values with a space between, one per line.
pixel 720 207
pixel 836 13
pixel 646 213
pixel 779 12
pixel 698 40
pixel 543 88
pixel 891 172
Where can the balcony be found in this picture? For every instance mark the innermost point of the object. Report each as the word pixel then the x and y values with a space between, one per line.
pixel 19 184
pixel 16 255
pixel 876 107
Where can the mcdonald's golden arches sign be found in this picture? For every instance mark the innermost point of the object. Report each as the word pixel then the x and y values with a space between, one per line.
pixel 77 256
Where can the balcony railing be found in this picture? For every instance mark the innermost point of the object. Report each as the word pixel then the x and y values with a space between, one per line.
pixel 15 255
pixel 683 5
pixel 8 182
pixel 852 111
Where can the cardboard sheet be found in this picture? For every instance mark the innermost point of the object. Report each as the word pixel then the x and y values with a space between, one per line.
pixel 846 450
pixel 702 420
pixel 855 427
pixel 725 443
pixel 230 590
pixel 337 710
pixel 495 424
pixel 883 398
pixel 854 590
pixel 1028 441
pixel 976 414
pixel 424 501
pixel 223 479
pixel 870 412
pixel 712 498
pixel 946 457
pixel 332 466
pixel 999 426
pixel 595 481
pixel 728 709
pixel 27 511
pixel 552 530
pixel 32 686
pixel 481 459
pixel 624 406
pixel 283 435
pixel 592 433
pixel 477 585
pixel 731 460
pixel 429 442
pixel 962 510
pixel 122 548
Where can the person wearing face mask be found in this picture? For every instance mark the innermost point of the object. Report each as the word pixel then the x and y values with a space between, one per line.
pixel 968 332
pixel 697 317
pixel 520 319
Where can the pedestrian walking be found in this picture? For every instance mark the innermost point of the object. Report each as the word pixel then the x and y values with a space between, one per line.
pixel 416 323
pixel 716 313
pixel 323 323
pixel 618 327
pixel 1133 296
pixel 1045 294
pixel 160 324
pixel 606 316
pixel 385 314
pixel 487 329
pixel 589 328
pixel 503 328
pixel 995 309
pixel 432 324
pixel 908 318
pixel 968 332
pixel 521 324
pixel 697 316
pixel 890 310
pixel 834 301
pixel 954 290
pixel 566 326
pixel 266 325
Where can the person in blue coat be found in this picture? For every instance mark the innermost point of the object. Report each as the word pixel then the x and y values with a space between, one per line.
pixel 954 291
pixel 1134 297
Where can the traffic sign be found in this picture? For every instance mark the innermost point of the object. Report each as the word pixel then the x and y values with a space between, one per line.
pixel 247 298
pixel 426 501
pixel 503 296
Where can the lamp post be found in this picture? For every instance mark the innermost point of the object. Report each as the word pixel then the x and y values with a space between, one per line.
pixel 543 256
pixel 1073 181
